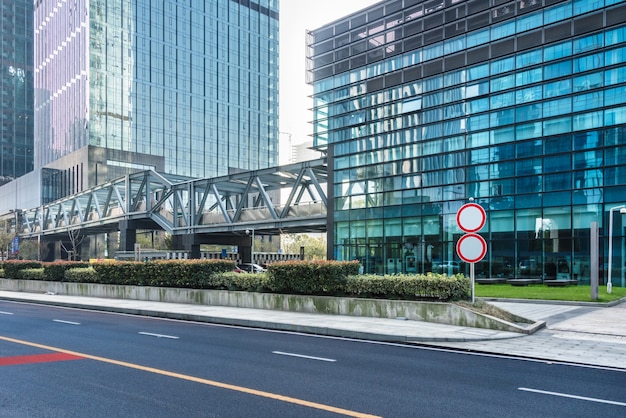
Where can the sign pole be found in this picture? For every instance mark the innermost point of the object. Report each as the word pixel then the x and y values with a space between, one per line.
pixel 472 280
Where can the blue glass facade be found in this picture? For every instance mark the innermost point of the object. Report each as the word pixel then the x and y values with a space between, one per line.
pixel 16 84
pixel 520 105
pixel 186 87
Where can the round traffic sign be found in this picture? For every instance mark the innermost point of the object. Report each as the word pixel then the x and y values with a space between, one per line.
pixel 471 248
pixel 471 217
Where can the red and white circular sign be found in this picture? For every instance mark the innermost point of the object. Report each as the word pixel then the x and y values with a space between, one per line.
pixel 471 217
pixel 471 248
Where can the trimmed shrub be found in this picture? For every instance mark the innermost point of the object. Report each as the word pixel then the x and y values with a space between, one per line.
pixel 2 273
pixel 250 282
pixel 409 287
pixel 56 271
pixel 310 277
pixel 120 273
pixel 169 273
pixel 12 267
pixel 82 275
pixel 32 274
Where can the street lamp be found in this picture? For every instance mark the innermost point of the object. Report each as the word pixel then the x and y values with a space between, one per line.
pixel 622 210
pixel 248 231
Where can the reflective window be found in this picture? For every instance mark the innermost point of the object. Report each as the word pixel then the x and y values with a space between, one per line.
pixel 588 43
pixel 588 62
pixel 558 69
pixel 615 56
pixel 554 52
pixel 560 12
pixel 502 83
pixel 528 22
pixel 557 107
pixel 502 65
pixel 528 77
pixel 557 88
pixel 477 72
pixel 584 6
pixel 615 36
pixel 502 30
pixel 588 101
pixel 588 81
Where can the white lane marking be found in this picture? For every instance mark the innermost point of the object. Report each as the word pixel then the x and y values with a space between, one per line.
pixel 565 395
pixel 66 322
pixel 6 313
pixel 159 335
pixel 303 356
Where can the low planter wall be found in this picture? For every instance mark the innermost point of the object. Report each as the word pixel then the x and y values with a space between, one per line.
pixel 438 312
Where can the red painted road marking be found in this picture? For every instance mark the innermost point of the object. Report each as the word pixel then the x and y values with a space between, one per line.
pixel 37 358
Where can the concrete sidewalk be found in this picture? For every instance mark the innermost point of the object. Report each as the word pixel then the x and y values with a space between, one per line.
pixel 585 334
pixel 574 333
pixel 394 330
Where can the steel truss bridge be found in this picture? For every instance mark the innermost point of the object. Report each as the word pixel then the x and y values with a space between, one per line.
pixel 220 210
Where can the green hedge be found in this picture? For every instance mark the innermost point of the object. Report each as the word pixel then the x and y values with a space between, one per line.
pixel 195 274
pixel 32 274
pixel 322 277
pixel 81 275
pixel 409 287
pixel 330 278
pixel 55 271
pixel 12 267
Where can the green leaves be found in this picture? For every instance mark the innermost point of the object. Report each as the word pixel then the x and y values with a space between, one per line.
pixel 328 278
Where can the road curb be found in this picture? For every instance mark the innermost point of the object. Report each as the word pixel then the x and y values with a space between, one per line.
pixel 264 324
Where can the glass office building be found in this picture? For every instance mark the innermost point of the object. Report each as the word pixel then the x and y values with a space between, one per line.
pixel 16 83
pixel 520 105
pixel 186 87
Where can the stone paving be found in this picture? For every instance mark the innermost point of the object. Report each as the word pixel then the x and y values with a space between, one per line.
pixel 578 334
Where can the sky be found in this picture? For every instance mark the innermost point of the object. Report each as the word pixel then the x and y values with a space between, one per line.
pixel 297 16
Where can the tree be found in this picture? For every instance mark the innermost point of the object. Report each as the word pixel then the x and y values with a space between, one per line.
pixel 76 238
pixel 314 248
pixel 157 240
pixel 29 249
pixel 5 241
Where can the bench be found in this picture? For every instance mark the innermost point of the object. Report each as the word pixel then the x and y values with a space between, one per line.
pixel 555 283
pixel 523 282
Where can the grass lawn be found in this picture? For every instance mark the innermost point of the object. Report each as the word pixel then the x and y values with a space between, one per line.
pixel 542 291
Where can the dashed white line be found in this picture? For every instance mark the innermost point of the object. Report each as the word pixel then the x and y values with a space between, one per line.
pixel 281 353
pixel 566 395
pixel 172 337
pixel 66 322
pixel 6 313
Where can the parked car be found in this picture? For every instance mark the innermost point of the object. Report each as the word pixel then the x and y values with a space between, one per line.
pixel 251 268
pixel 446 267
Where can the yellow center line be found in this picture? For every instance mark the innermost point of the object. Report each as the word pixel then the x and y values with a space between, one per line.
pixel 208 382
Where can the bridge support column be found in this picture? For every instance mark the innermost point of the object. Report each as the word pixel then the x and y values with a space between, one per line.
pixel 128 235
pixel 246 253
pixel 189 243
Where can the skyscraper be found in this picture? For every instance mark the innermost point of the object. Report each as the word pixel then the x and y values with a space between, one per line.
pixel 520 105
pixel 16 83
pixel 185 87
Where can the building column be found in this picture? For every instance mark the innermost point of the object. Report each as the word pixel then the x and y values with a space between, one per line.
pixel 128 235
pixel 188 243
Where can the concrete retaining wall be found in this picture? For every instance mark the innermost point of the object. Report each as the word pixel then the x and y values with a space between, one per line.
pixel 438 312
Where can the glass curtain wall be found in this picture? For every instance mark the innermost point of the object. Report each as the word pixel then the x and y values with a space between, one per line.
pixel 519 106
pixel 16 81
pixel 190 82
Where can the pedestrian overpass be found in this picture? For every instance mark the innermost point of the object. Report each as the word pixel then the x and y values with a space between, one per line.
pixel 221 210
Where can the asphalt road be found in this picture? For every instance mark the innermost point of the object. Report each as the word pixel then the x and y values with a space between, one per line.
pixel 58 362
